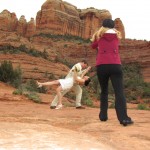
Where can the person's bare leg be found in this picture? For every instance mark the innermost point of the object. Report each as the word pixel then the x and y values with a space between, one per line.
pixel 59 94
pixel 55 82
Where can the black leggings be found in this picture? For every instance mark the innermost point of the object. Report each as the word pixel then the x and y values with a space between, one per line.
pixel 114 73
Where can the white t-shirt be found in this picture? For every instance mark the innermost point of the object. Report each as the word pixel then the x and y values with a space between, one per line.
pixel 78 69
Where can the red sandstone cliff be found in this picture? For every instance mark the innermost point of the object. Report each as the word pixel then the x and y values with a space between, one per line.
pixel 57 17
pixel 9 22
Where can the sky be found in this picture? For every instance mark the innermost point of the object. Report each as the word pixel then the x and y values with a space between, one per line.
pixel 135 14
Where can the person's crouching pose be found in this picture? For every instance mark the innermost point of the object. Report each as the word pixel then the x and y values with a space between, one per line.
pixel 64 84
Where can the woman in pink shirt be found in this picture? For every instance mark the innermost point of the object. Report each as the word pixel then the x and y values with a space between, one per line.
pixel 108 64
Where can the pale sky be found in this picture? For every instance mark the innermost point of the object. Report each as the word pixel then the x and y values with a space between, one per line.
pixel 135 14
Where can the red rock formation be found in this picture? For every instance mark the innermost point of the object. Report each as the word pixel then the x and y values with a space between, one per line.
pixel 30 31
pixel 36 67
pixel 137 51
pixel 120 27
pixel 131 51
pixel 92 19
pixel 22 26
pixel 58 17
pixel 8 21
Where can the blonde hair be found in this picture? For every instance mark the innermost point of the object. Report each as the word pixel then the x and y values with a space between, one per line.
pixel 98 34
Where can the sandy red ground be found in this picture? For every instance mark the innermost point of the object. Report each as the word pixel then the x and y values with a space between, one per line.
pixel 27 125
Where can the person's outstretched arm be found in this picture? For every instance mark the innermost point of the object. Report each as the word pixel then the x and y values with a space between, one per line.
pixel 85 71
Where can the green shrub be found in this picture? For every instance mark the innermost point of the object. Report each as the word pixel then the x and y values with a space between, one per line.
pixel 86 98
pixel 133 82
pixel 146 92
pixel 22 48
pixel 66 37
pixel 18 92
pixel 88 102
pixel 42 89
pixel 10 75
pixel 112 105
pixel 6 71
pixel 134 85
pixel 31 85
pixel 142 107
pixel 33 96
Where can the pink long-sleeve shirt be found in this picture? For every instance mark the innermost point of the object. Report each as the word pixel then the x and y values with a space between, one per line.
pixel 107 47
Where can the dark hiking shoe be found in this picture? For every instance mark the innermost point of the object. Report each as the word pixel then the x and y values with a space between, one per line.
pixel 103 117
pixel 80 107
pixel 126 122
pixel 52 107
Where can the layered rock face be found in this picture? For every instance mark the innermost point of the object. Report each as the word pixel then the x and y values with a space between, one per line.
pixel 22 26
pixel 31 28
pixel 59 17
pixel 137 51
pixel 120 27
pixel 92 20
pixel 9 22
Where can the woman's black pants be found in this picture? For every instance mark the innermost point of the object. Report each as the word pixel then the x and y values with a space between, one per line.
pixel 114 73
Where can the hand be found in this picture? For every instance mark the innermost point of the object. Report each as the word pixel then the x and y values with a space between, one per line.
pixel 89 68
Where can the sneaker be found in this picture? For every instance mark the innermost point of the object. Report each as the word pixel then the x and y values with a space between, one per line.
pixel 38 84
pixel 59 106
pixel 80 107
pixel 52 107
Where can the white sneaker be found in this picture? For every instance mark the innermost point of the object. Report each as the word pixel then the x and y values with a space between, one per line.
pixel 38 84
pixel 59 106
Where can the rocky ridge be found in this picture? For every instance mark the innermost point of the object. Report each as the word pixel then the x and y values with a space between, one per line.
pixel 59 17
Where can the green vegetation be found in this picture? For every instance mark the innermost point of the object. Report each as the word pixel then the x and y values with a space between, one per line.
pixel 33 96
pixel 134 85
pixel 63 61
pixel 142 107
pixel 66 37
pixel 86 100
pixel 10 75
pixel 22 48
pixel 112 105
pixel 30 90
pixel 14 77
pixel 32 52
